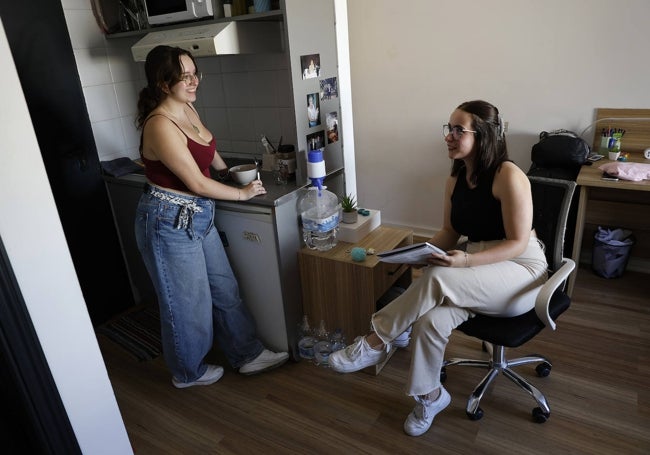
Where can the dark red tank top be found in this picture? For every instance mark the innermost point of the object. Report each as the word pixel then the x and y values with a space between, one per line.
pixel 160 174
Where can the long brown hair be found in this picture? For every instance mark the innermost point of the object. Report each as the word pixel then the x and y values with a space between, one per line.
pixel 491 149
pixel 163 69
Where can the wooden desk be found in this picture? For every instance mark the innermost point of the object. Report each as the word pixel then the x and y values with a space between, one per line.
pixel 606 203
pixel 344 293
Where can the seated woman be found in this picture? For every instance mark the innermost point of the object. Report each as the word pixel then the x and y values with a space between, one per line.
pixel 488 199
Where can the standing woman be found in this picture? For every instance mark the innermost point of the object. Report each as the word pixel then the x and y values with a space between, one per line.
pixel 198 294
pixel 488 199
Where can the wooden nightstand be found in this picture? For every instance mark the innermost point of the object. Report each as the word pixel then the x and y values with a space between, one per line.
pixel 344 293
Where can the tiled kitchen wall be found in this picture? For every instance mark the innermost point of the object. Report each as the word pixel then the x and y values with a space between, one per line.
pixel 240 97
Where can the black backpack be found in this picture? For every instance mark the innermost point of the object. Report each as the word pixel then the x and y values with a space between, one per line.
pixel 560 149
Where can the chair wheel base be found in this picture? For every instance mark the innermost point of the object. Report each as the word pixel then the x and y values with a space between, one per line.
pixel 543 369
pixel 540 416
pixel 476 415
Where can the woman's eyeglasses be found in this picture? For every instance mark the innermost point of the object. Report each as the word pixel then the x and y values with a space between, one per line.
pixel 190 78
pixel 456 131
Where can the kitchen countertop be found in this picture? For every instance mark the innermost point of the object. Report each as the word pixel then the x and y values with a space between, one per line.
pixel 275 194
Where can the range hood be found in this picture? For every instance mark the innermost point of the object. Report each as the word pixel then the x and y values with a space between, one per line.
pixel 223 38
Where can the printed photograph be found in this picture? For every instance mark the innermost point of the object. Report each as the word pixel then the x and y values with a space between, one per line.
pixel 313 109
pixel 332 127
pixel 310 65
pixel 316 140
pixel 329 89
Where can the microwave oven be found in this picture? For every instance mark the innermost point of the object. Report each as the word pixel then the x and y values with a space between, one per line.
pixel 170 11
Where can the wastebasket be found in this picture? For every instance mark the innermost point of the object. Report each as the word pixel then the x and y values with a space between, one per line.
pixel 611 251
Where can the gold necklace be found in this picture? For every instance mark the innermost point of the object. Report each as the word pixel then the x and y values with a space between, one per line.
pixel 196 128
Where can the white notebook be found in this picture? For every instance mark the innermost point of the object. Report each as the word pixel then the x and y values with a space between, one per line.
pixel 410 254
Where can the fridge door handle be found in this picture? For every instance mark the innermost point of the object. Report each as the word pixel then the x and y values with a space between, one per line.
pixel 245 211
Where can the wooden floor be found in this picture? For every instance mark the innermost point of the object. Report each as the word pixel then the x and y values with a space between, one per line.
pixel 599 393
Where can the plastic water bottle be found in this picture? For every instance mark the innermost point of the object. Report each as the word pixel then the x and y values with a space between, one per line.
pixel 320 211
pixel 323 347
pixel 306 340
pixel 337 340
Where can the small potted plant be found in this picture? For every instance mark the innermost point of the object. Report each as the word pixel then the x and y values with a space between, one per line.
pixel 349 207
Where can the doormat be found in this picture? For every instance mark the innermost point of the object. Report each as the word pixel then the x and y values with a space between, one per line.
pixel 138 332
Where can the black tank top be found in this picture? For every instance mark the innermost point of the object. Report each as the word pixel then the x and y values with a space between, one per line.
pixel 475 212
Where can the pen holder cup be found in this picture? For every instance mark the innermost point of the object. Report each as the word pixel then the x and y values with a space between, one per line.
pixel 269 161
pixel 604 145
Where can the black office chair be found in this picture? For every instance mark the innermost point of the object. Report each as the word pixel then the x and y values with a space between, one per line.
pixel 551 204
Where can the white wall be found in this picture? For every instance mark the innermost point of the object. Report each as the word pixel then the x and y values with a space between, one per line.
pixel 33 237
pixel 544 64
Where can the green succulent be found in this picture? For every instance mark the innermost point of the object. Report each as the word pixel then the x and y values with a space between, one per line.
pixel 348 203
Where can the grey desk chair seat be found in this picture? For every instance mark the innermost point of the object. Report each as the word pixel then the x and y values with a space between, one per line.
pixel 551 203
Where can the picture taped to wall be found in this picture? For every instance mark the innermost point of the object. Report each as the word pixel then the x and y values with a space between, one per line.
pixel 313 109
pixel 329 89
pixel 316 141
pixel 332 123
pixel 310 65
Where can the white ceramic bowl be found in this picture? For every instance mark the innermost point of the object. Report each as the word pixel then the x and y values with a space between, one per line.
pixel 244 173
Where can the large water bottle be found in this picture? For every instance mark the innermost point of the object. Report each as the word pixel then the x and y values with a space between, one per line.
pixel 320 211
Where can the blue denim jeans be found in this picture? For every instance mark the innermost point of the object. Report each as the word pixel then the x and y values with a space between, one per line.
pixel 198 294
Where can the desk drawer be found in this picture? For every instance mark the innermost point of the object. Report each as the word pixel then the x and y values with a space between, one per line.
pixel 385 276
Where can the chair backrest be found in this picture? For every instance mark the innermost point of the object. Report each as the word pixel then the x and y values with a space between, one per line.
pixel 551 204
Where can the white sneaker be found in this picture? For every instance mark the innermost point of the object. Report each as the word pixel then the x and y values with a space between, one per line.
pixel 403 339
pixel 356 356
pixel 211 375
pixel 421 418
pixel 267 360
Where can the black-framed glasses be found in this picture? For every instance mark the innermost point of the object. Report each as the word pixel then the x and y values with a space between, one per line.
pixel 456 131
pixel 190 78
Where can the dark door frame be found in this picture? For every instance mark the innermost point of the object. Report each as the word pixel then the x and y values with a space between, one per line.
pixel 35 418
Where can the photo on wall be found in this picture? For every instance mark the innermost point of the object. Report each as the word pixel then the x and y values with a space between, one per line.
pixel 316 141
pixel 313 110
pixel 329 89
pixel 310 65
pixel 332 123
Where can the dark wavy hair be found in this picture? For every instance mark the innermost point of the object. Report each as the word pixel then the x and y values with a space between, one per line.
pixel 162 69
pixel 491 149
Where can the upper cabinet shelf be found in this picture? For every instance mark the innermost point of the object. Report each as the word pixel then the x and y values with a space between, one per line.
pixel 275 15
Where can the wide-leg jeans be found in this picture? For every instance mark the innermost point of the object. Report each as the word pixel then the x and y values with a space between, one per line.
pixel 198 294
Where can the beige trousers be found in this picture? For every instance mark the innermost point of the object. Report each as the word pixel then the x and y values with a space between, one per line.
pixel 443 298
